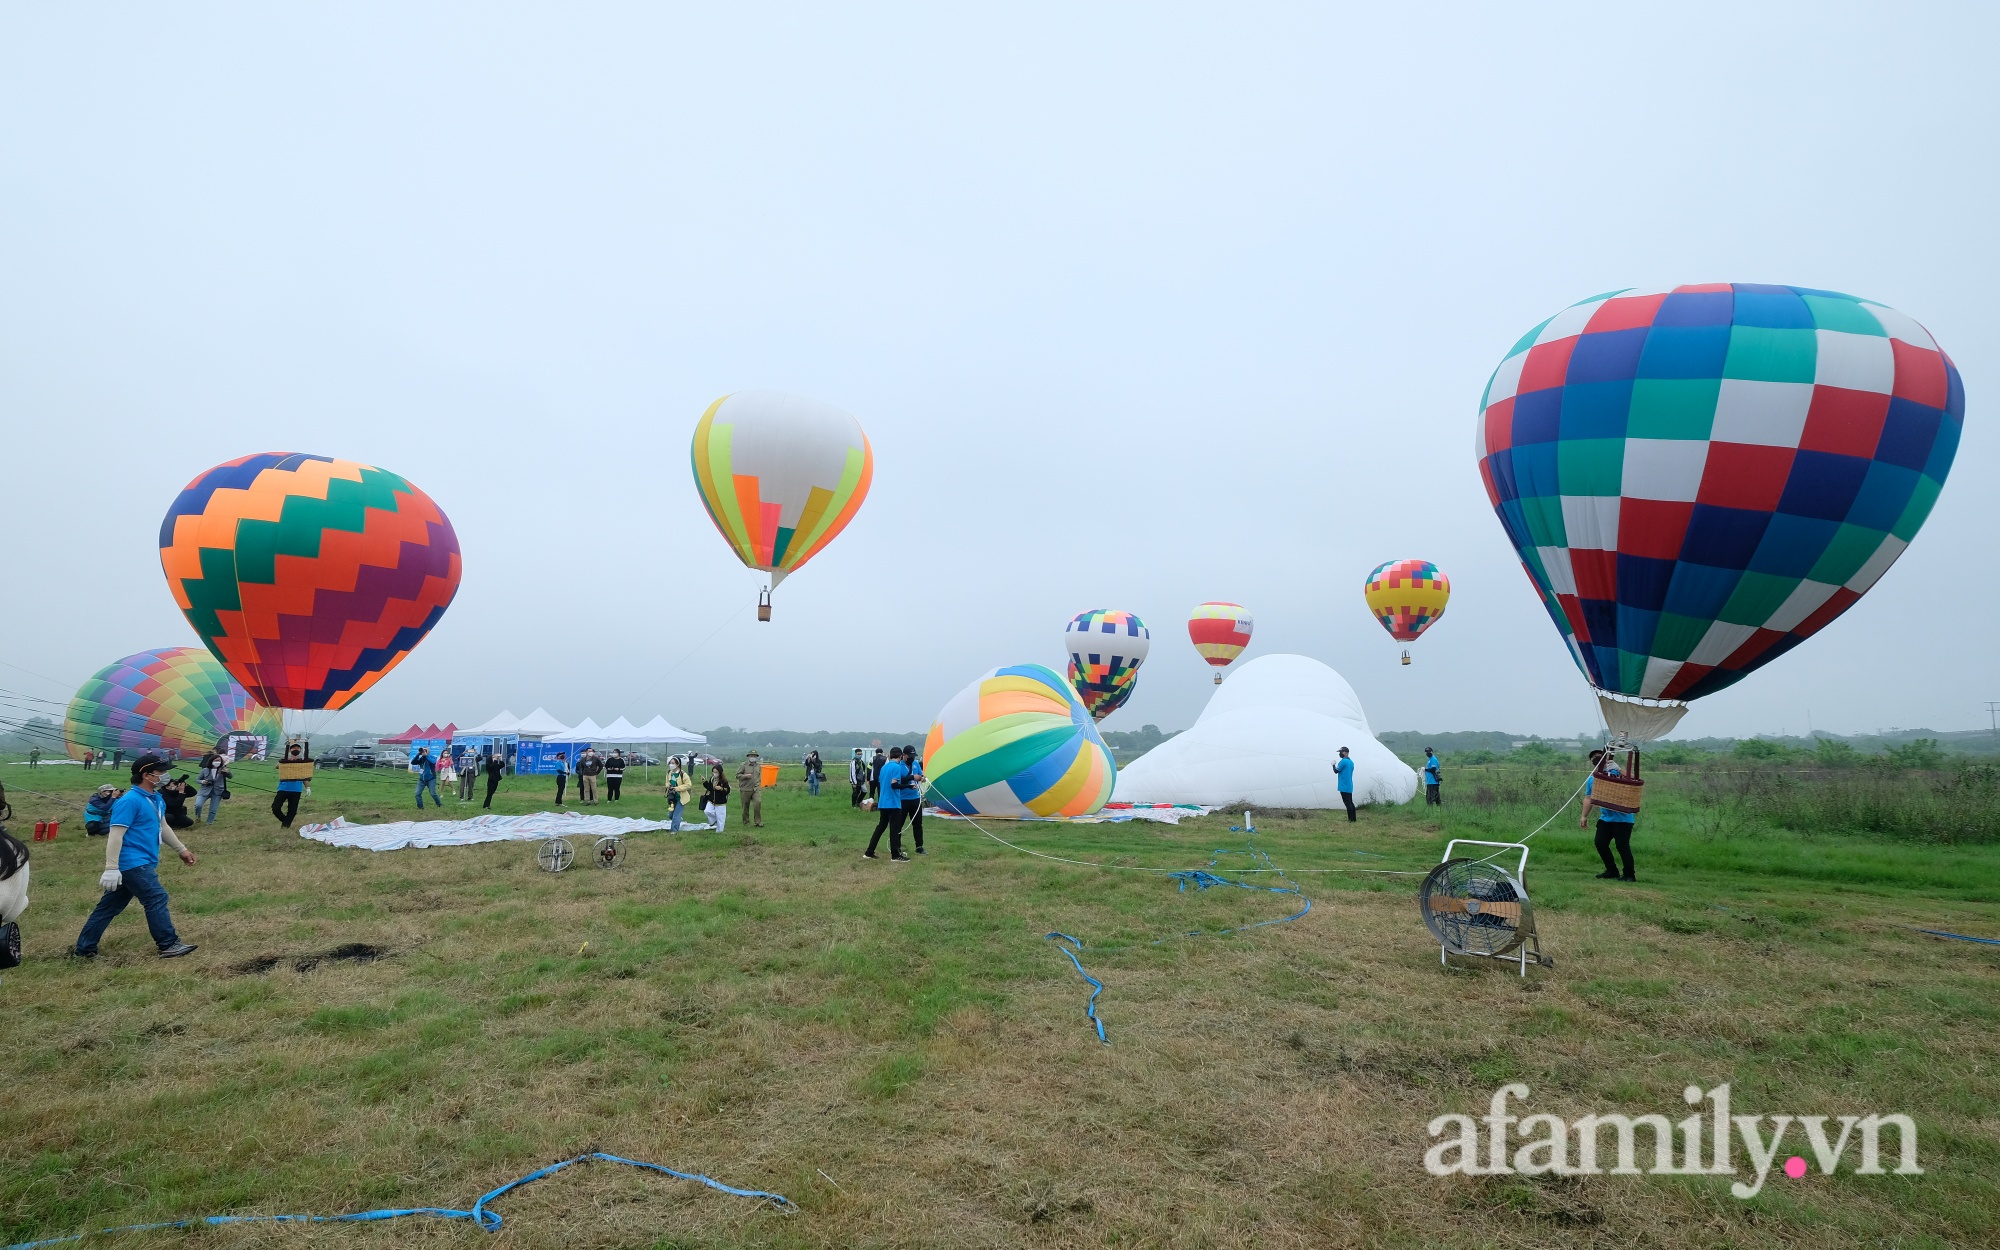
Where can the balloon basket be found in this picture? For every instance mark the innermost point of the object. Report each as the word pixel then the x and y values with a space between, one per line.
pixel 1406 657
pixel 763 605
pixel 1218 679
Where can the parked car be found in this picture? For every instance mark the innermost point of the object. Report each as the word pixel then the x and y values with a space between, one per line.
pixel 349 757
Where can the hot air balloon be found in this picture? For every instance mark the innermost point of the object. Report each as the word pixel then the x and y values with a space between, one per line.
pixel 1017 743
pixel 1106 648
pixel 780 476
pixel 1220 631
pixel 1699 479
pixel 308 577
pixel 1407 596
pixel 176 699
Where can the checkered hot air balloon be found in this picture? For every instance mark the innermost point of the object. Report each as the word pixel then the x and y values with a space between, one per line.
pixel 1699 479
pixel 781 476
pixel 1017 743
pixel 1407 597
pixel 1106 648
pixel 1219 632
pixel 176 698
pixel 308 577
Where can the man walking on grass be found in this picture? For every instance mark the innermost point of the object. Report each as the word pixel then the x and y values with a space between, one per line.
pixel 1343 770
pixel 496 767
pixel 1612 827
pixel 131 864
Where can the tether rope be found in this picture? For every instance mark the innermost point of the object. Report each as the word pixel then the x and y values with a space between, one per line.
pixel 477 1213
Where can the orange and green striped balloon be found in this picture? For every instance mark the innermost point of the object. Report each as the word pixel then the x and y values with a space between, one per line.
pixel 780 475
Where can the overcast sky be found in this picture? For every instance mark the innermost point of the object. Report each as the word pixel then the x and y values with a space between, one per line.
pixel 1140 305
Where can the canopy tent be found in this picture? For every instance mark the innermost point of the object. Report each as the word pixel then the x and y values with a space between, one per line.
pixel 501 724
pixel 540 724
pixel 417 733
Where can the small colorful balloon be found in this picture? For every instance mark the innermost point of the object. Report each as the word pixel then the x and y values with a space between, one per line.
pixel 1407 597
pixel 1017 743
pixel 1219 632
pixel 1106 648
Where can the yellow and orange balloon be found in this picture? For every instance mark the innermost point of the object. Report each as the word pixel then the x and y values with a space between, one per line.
pixel 1407 597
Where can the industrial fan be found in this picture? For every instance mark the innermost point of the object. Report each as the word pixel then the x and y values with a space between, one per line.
pixel 1476 907
pixel 555 854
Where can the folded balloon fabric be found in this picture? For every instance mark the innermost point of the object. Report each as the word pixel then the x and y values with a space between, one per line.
pixel 401 834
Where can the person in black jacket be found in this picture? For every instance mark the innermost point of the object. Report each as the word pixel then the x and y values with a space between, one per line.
pixel 875 776
pixel 175 794
pixel 715 798
pixel 495 768
pixel 614 774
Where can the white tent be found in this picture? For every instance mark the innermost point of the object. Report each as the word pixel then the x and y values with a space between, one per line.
pixel 658 730
pixel 1269 736
pixel 504 723
pixel 585 730
pixel 620 730
pixel 539 724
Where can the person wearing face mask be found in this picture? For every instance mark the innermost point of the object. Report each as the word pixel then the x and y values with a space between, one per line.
pixel 131 864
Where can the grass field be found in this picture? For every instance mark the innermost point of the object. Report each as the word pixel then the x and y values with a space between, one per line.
pixel 900 1051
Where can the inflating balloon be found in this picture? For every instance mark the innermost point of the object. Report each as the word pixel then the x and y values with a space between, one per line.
pixel 308 577
pixel 1106 648
pixel 1219 632
pixel 780 476
pixel 1407 596
pixel 1017 743
pixel 174 699
pixel 1697 480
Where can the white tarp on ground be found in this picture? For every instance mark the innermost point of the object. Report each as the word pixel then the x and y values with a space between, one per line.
pixel 398 835
pixel 1269 737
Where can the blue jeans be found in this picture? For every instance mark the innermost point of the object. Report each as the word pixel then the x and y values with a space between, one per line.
pixel 142 883
pixel 431 785
pixel 812 783
pixel 674 820
pixel 211 794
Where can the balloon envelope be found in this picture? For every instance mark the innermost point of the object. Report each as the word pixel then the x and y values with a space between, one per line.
pixel 781 475
pixel 1105 649
pixel 175 698
pixel 1699 479
pixel 1407 596
pixel 308 577
pixel 1220 631
pixel 1017 743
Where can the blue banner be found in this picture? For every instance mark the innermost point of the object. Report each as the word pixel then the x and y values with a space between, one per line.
pixel 538 759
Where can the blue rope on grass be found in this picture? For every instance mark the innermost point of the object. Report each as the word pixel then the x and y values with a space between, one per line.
pixel 1097 986
pixel 488 1220
pixel 1961 937
pixel 1200 879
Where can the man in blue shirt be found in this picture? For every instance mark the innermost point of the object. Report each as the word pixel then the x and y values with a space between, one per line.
pixel 1343 770
pixel 1433 776
pixel 427 776
pixel 131 863
pixel 1612 827
pixel 285 803
pixel 894 781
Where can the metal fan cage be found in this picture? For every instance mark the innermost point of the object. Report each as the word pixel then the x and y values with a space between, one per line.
pixel 555 855
pixel 1475 908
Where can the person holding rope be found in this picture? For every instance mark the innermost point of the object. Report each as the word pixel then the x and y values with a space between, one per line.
pixel 913 798
pixel 131 864
pixel 1612 827
pixel 893 779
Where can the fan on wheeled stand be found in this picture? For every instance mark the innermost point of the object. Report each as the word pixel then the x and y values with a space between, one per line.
pixel 1476 907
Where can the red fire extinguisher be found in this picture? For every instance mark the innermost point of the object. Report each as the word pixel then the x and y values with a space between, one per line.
pixel 53 826
pixel 41 831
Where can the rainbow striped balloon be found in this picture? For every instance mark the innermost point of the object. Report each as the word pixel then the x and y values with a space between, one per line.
pixel 1106 648
pixel 1407 596
pixel 175 698
pixel 1014 744
pixel 780 475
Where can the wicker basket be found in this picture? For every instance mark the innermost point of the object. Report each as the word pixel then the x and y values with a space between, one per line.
pixel 1619 794
pixel 295 771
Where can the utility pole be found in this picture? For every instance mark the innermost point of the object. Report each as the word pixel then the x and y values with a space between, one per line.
pixel 1993 715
